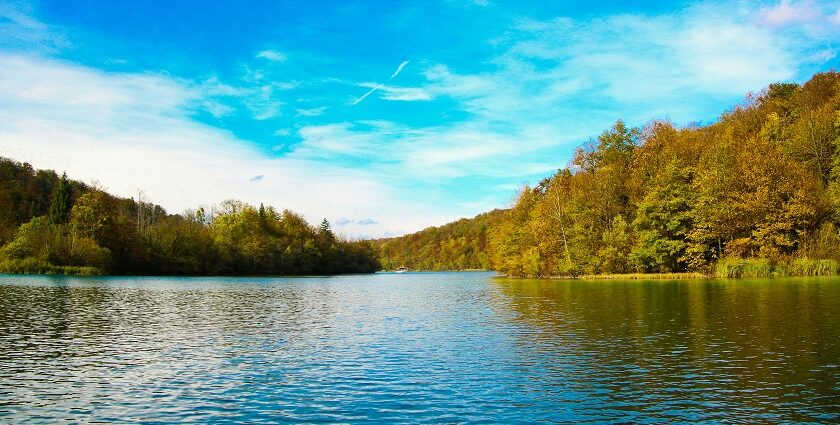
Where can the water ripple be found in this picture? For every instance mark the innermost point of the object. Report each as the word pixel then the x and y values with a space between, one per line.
pixel 417 348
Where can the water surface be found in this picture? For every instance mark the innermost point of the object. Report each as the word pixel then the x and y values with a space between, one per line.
pixel 419 348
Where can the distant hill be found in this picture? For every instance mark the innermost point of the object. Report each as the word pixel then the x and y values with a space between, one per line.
pixel 460 245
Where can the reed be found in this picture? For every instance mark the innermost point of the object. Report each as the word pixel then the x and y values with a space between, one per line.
pixel 811 267
pixel 644 276
pixel 737 268
pixel 35 266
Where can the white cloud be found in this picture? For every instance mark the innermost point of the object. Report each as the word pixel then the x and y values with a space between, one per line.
pixel 786 13
pixel 399 153
pixel 312 112
pixel 681 65
pixel 260 100
pixel 405 94
pixel 272 55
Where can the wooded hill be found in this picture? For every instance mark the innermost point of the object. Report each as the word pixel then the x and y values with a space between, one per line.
pixel 756 192
pixel 49 224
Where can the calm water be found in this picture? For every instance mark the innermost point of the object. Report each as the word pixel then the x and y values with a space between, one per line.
pixel 418 348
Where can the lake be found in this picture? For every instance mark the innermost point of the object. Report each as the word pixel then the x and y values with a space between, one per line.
pixel 418 348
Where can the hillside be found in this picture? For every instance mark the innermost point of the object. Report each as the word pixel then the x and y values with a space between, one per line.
pixel 460 245
pixel 755 193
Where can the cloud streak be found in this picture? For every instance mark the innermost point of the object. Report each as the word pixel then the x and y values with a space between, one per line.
pixel 399 69
pixel 392 93
pixel 364 96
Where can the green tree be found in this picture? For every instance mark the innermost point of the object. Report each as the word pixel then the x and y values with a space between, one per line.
pixel 61 202
pixel 663 220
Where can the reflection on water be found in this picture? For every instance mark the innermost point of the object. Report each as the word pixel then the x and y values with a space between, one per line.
pixel 420 348
pixel 738 351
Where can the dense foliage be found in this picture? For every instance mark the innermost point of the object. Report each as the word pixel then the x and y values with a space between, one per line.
pixel 53 225
pixel 763 182
pixel 461 245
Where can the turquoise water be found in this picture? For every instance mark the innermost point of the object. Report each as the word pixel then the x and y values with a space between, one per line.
pixel 418 348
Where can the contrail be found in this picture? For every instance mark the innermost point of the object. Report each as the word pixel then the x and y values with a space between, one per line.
pixel 377 87
pixel 399 68
pixel 356 102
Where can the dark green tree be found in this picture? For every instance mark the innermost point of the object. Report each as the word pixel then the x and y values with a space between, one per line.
pixel 263 219
pixel 61 202
pixel 325 228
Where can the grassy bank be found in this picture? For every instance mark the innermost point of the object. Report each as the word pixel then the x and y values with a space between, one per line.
pixel 35 266
pixel 644 276
pixel 736 268
pixel 728 268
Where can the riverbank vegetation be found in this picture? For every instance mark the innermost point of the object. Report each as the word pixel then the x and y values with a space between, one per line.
pixel 53 225
pixel 756 193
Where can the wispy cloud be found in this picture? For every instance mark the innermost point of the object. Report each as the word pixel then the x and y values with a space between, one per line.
pixel 393 93
pixel 272 55
pixel 786 13
pixel 407 94
pixel 311 112
pixel 135 130
pixel 557 82
pixel 631 66
pixel 18 29
pixel 362 222
pixel 260 100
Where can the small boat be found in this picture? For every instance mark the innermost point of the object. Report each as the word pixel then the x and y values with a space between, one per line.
pixel 402 269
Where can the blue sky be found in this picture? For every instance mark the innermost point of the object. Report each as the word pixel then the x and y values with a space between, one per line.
pixel 383 117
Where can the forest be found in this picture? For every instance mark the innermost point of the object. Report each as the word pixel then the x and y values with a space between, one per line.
pixel 755 193
pixel 50 224
pixel 460 245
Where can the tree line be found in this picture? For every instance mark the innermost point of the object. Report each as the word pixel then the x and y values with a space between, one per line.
pixel 50 224
pixel 759 187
